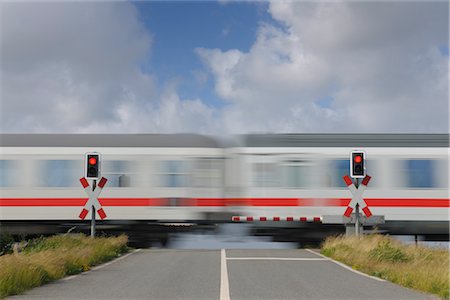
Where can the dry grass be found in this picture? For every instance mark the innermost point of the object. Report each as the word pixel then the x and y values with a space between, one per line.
pixel 47 259
pixel 422 268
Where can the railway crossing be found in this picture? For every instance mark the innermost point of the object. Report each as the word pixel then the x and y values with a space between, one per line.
pixel 92 202
pixel 357 196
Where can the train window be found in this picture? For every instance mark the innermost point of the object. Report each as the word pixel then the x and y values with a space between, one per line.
pixel 296 174
pixel 265 175
pixel 373 170
pixel 8 173
pixel 441 174
pixel 207 172
pixel 61 173
pixel 339 168
pixel 420 173
pixel 174 173
pixel 118 173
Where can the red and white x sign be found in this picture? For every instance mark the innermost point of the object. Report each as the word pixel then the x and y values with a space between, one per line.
pixel 93 198
pixel 357 196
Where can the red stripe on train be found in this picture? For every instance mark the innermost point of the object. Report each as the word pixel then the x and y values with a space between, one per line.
pixel 42 201
pixel 408 202
pixel 273 202
pixel 371 202
pixel 323 202
pixel 134 201
pixel 82 201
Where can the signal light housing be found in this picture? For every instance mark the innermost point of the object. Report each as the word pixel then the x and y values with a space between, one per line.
pixel 92 165
pixel 357 164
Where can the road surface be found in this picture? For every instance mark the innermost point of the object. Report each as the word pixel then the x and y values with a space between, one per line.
pixel 222 274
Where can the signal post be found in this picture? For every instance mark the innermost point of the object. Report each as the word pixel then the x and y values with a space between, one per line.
pixel 92 165
pixel 354 221
pixel 357 171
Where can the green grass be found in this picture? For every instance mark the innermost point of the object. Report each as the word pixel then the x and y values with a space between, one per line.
pixel 421 268
pixel 47 259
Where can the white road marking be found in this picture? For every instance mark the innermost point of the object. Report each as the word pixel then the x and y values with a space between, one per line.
pixel 70 277
pixel 274 258
pixel 102 266
pixel 224 285
pixel 345 266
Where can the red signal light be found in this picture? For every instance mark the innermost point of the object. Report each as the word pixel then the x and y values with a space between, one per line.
pixel 92 161
pixel 357 164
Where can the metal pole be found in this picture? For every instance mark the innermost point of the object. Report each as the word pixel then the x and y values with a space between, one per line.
pixel 94 184
pixel 357 220
pixel 357 212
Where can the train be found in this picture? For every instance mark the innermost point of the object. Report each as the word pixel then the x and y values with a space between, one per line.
pixel 163 183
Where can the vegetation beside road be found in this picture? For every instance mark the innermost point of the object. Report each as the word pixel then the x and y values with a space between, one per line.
pixel 47 259
pixel 421 268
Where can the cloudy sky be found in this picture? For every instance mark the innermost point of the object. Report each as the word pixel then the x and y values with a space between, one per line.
pixel 224 67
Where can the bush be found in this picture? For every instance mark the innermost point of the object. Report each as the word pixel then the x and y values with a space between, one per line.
pixel 385 251
pixel 18 274
pixel 67 241
pixel 6 243
pixel 421 268
pixel 47 259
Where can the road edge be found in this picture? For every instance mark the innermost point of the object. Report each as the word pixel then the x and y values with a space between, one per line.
pixel 345 266
pixel 102 265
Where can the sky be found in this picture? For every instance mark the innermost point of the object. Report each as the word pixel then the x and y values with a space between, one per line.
pixel 224 67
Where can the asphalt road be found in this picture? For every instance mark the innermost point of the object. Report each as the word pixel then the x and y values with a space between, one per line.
pixel 221 274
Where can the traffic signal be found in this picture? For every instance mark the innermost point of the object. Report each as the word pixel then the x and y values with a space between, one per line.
pixel 92 163
pixel 357 164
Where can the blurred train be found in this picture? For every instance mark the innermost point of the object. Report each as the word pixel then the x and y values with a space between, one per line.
pixel 157 181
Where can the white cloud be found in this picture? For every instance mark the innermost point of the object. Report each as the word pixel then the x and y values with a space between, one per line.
pixel 171 114
pixel 379 61
pixel 75 67
pixel 66 65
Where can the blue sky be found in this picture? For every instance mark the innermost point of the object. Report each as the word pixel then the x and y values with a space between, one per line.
pixel 225 67
pixel 179 27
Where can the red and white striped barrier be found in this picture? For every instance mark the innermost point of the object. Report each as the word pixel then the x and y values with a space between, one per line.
pixel 357 196
pixel 93 198
pixel 275 219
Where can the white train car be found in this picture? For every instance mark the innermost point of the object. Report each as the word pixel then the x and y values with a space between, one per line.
pixel 288 178
pixel 300 177
pixel 151 179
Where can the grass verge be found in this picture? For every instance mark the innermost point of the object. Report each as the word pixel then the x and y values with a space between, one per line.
pixel 47 259
pixel 421 268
